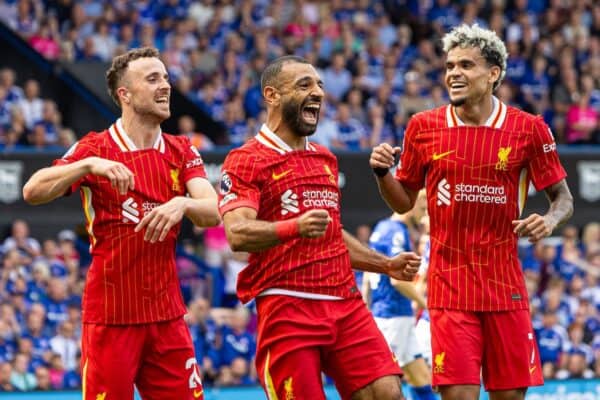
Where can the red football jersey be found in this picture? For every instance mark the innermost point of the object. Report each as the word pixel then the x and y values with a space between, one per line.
pixel 477 180
pixel 267 175
pixel 130 280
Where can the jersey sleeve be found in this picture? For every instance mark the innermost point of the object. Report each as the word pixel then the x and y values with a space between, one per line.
pixel 80 150
pixel 544 166
pixel 193 166
pixel 238 186
pixel 411 168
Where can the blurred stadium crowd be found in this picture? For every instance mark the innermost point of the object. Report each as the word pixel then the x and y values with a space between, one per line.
pixel 380 60
pixel 381 63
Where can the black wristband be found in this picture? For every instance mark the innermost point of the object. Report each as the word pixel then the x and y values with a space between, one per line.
pixel 381 172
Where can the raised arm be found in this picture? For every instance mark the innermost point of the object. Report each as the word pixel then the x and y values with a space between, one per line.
pixel 561 208
pixel 49 183
pixel 397 197
pixel 403 266
pixel 246 233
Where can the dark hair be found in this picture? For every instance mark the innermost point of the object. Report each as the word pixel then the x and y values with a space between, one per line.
pixel 119 66
pixel 271 72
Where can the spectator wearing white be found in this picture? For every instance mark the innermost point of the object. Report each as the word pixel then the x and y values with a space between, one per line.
pixel 21 240
pixel 66 345
pixel 31 105
pixel 104 43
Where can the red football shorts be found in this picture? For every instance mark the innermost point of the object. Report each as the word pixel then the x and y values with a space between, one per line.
pixel 157 357
pixel 499 347
pixel 298 338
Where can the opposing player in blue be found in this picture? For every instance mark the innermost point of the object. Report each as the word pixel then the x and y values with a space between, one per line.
pixel 390 299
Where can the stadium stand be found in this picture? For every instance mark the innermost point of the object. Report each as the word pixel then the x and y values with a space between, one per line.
pixel 380 61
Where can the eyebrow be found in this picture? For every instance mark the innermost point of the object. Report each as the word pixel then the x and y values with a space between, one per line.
pixel 307 79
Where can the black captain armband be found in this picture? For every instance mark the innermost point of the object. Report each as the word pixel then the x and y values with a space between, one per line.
pixel 381 172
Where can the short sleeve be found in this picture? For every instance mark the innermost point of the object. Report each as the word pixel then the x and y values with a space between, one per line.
pixel 80 150
pixel 411 169
pixel 238 186
pixel 193 166
pixel 544 166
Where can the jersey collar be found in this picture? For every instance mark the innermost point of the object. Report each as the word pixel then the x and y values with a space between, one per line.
pixel 268 138
pixel 495 120
pixel 121 138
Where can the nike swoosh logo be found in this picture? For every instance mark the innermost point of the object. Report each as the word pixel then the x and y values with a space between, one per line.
pixel 277 177
pixel 197 393
pixel 531 370
pixel 441 155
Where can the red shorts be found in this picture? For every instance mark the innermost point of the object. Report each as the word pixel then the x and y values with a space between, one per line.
pixel 499 347
pixel 157 357
pixel 298 338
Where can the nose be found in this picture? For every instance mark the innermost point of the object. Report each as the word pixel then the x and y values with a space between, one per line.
pixel 318 92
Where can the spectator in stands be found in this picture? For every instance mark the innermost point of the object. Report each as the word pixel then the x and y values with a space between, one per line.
pixel 5 376
pixel 56 303
pixel 351 133
pixel 65 344
pixel 237 340
pixel 56 371
pixel 7 80
pixel 21 378
pixel 21 241
pixel 31 105
pixel 42 377
pixel 581 121
pixel 552 343
pixel 187 126
pixel 412 102
pixel 46 40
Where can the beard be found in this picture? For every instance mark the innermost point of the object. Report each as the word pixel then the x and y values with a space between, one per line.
pixel 151 113
pixel 291 113
pixel 458 102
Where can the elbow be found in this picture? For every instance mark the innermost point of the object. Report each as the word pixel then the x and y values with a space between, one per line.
pixel 29 195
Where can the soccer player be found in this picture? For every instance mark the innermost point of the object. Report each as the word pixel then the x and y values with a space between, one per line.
pixel 134 180
pixel 280 201
pixel 476 157
pixel 390 299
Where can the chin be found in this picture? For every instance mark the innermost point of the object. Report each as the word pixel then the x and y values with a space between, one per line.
pixel 459 101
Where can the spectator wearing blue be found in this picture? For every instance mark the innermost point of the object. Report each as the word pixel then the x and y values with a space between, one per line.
pixel 552 343
pixel 237 340
pixel 337 78
pixel 56 303
pixel 351 133
pixel 207 338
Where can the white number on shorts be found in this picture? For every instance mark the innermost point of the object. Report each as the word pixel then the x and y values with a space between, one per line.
pixel 195 380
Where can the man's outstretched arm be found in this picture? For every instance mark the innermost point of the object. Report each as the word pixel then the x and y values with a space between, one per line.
pixel 403 266
pixel 49 183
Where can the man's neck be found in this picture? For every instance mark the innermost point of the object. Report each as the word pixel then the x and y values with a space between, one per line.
pixel 143 133
pixel 476 113
pixel 277 126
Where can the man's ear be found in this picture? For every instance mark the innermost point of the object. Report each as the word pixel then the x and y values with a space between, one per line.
pixel 123 94
pixel 496 71
pixel 271 95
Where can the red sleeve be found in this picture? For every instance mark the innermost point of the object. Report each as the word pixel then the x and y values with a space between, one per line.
pixel 544 166
pixel 411 168
pixel 238 187
pixel 84 148
pixel 193 165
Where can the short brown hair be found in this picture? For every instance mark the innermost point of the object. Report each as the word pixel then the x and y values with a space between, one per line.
pixel 119 66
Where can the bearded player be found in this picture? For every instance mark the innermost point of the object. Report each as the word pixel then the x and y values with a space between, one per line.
pixel 280 201
pixel 136 185
pixel 476 157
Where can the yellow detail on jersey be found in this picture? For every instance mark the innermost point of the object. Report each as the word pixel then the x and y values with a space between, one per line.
pixel 269 386
pixel 439 363
pixel 175 179
pixel 502 163
pixel 331 177
pixel 289 390
pixel 101 396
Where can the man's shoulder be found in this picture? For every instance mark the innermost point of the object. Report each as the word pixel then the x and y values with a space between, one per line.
pixel 431 119
pixel 252 150
pixel 319 148
pixel 517 115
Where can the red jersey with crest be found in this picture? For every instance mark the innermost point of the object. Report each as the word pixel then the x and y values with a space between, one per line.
pixel 280 183
pixel 132 281
pixel 477 180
